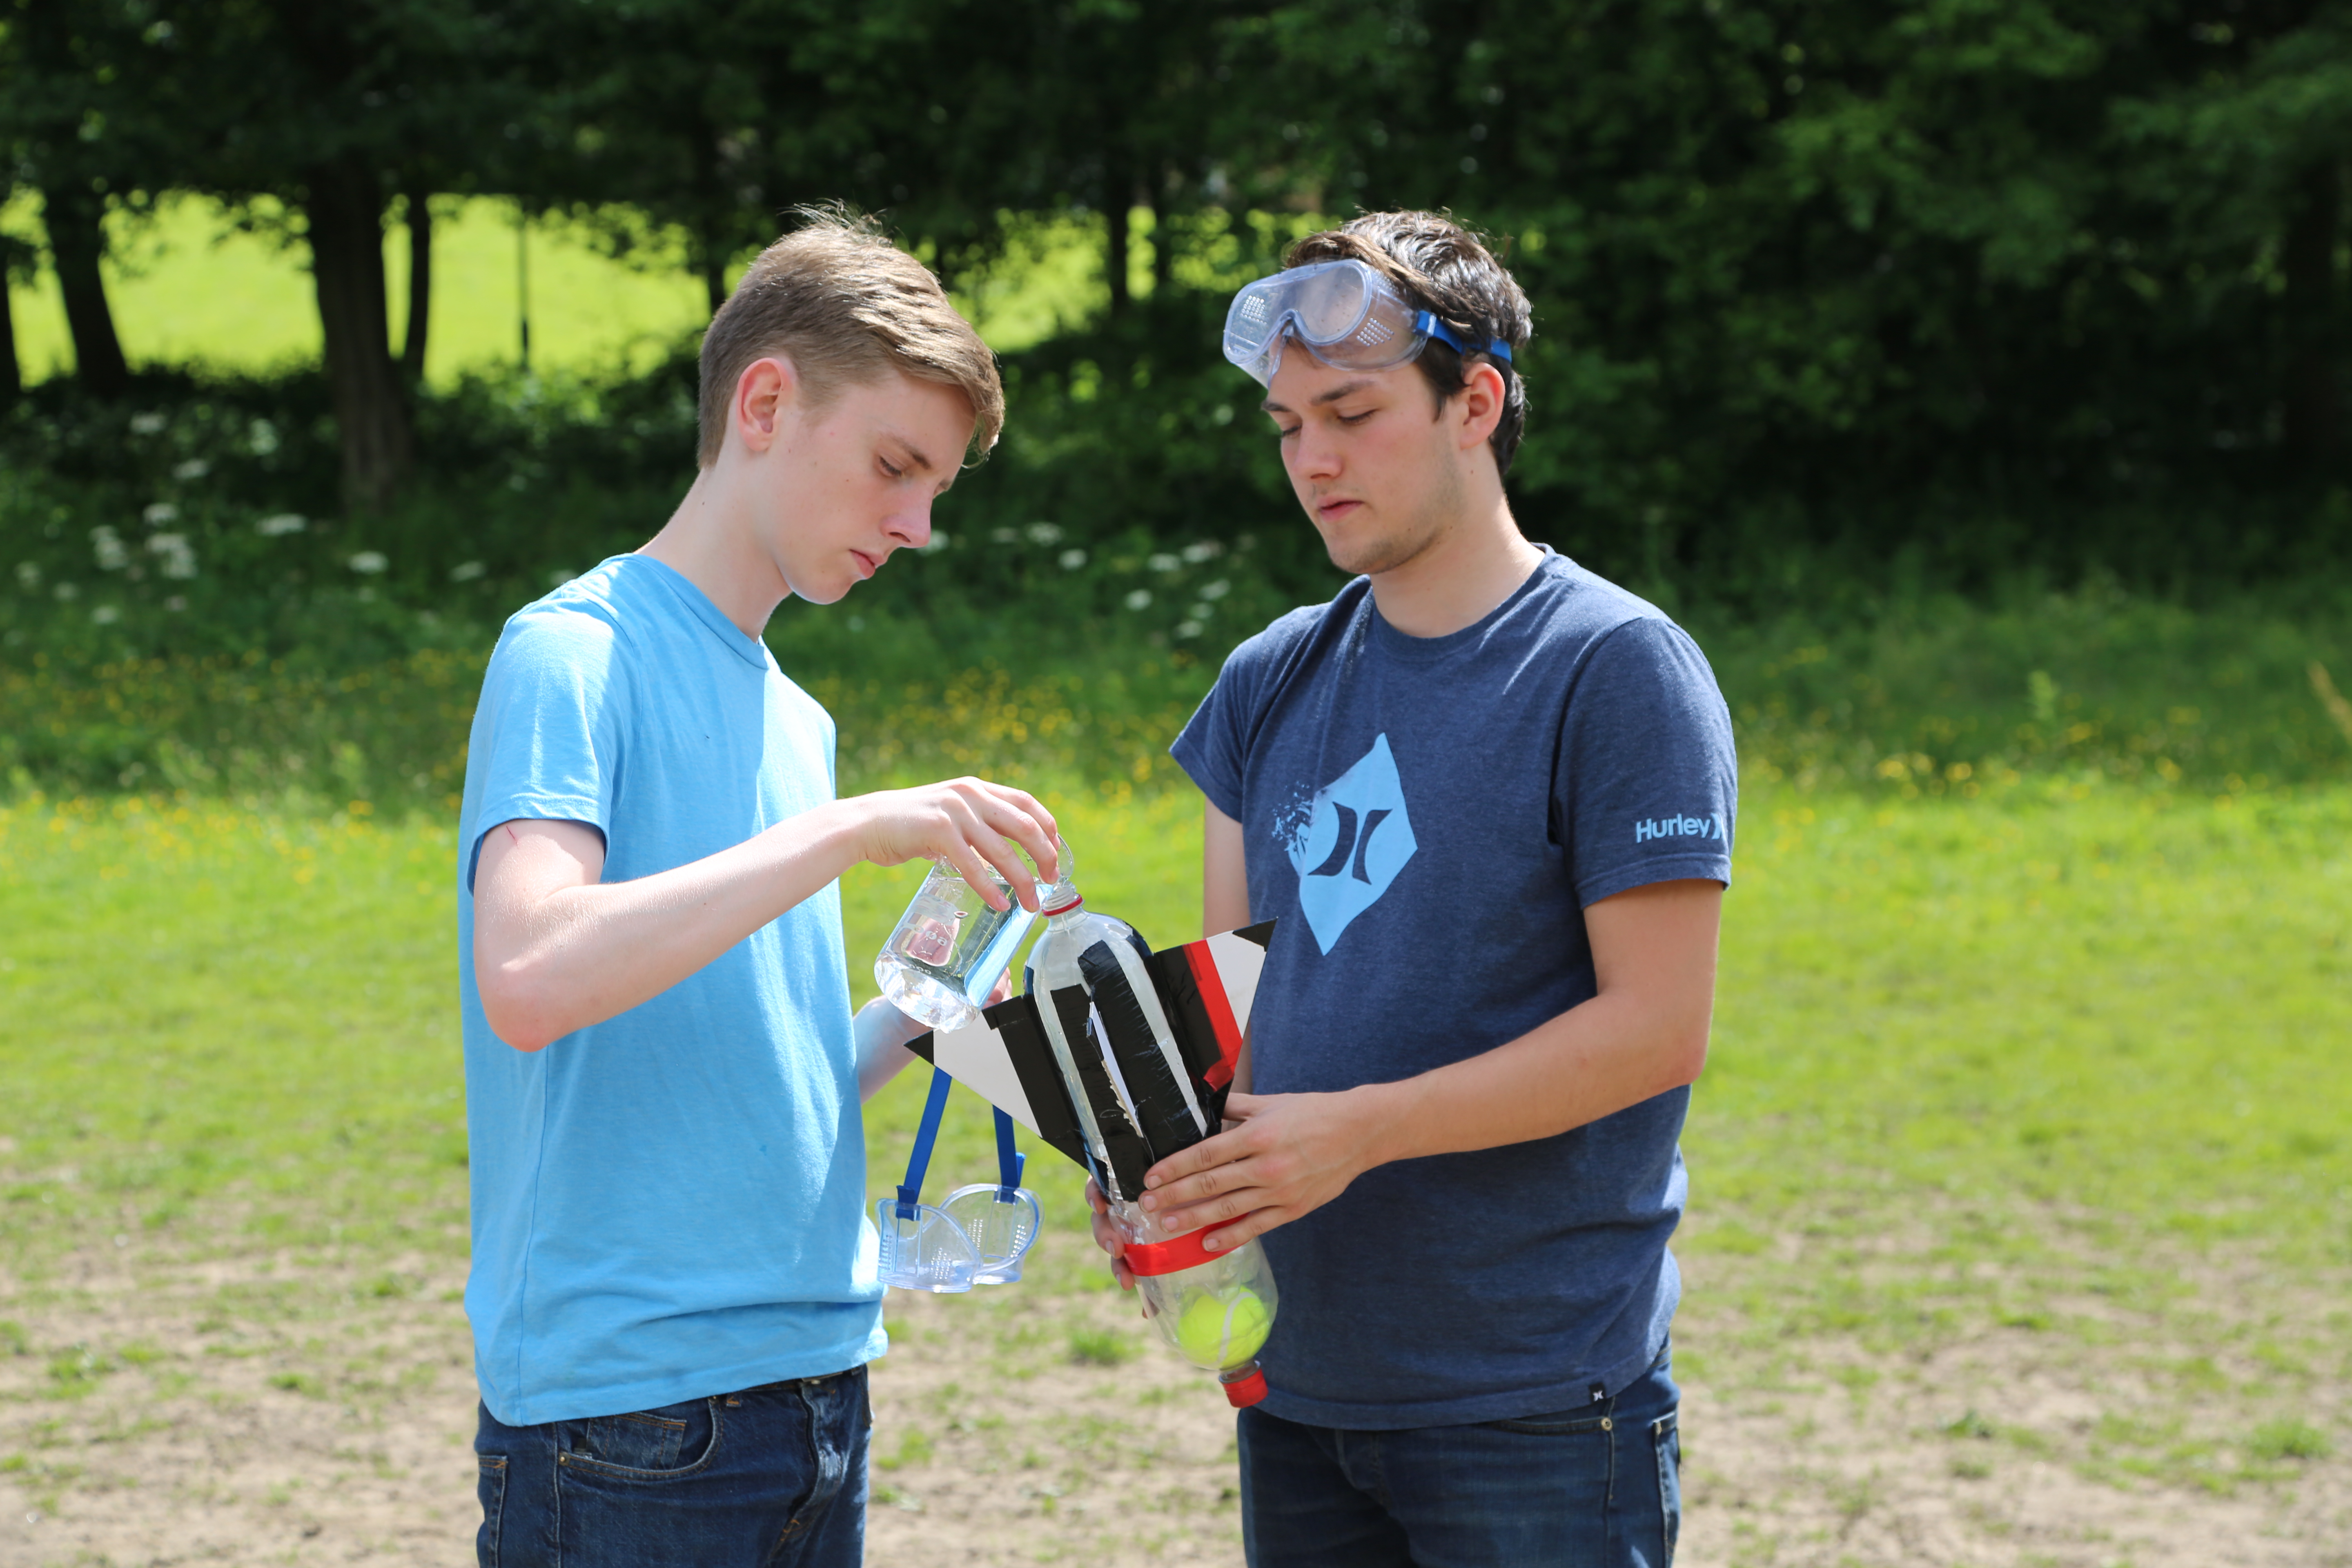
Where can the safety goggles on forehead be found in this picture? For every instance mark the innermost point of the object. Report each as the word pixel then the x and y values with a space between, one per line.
pixel 1346 313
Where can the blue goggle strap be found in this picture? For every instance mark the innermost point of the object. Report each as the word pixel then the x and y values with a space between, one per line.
pixel 918 1160
pixel 1427 324
pixel 1010 1162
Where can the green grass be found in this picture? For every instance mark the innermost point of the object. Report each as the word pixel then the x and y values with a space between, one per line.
pixel 2044 1060
pixel 201 1005
pixel 2112 1008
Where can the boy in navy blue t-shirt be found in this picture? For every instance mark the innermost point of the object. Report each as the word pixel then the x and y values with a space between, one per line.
pixel 1490 797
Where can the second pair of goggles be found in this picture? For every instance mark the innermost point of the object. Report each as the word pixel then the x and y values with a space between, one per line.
pixel 1346 313
pixel 977 1237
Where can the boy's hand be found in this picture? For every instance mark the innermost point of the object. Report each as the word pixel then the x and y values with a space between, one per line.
pixel 1108 1238
pixel 968 823
pixel 1291 1154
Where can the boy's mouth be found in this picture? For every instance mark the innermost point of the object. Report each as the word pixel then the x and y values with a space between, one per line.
pixel 866 564
pixel 1336 508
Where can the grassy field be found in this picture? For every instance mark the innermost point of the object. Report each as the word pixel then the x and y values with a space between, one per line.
pixel 2013 1038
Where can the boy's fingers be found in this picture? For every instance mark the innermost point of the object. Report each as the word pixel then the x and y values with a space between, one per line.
pixel 1206 1155
pixel 968 865
pixel 1019 821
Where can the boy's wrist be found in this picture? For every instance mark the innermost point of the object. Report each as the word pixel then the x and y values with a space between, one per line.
pixel 1384 1123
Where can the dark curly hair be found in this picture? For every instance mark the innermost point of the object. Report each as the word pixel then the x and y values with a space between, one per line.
pixel 1443 268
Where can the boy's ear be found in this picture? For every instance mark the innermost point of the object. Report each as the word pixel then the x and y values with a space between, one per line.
pixel 766 388
pixel 1482 398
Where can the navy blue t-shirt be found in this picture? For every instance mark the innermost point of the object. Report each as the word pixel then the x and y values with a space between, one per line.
pixel 1428 817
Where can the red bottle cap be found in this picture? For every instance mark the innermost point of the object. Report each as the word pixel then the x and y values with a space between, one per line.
pixel 1243 1388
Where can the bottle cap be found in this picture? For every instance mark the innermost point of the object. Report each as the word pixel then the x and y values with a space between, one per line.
pixel 1245 1386
pixel 1060 896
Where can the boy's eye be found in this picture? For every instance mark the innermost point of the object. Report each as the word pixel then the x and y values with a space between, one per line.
pixel 890 470
pixel 1358 418
pixel 1287 431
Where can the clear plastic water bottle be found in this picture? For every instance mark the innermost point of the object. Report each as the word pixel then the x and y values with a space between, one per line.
pixel 1215 1308
pixel 949 948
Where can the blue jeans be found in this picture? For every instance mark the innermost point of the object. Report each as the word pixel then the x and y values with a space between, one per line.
pixel 1596 1486
pixel 768 1477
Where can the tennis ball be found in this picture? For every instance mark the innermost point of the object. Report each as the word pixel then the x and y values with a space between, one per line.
pixel 1224 1333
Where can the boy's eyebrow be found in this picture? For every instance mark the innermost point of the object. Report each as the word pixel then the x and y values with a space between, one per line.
pixel 1345 389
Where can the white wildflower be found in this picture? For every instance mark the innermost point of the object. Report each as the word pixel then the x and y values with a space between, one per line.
pixel 1163 562
pixel 1045 534
pixel 466 571
pixel 111 555
pixel 1073 559
pixel 281 524
pixel 179 557
pixel 368 563
pixel 1140 600
pixel 160 513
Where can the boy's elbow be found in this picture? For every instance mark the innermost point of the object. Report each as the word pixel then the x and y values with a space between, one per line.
pixel 1687 1060
pixel 515 1013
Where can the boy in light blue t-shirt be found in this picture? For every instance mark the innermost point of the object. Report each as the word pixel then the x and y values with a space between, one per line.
pixel 674 1290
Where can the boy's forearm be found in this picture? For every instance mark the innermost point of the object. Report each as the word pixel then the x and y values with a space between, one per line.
pixel 881 1032
pixel 582 954
pixel 1592 1061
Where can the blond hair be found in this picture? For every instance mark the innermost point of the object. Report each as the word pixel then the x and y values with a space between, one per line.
pixel 846 307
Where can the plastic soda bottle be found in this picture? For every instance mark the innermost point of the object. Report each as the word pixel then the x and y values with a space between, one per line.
pixel 1215 1308
pixel 949 948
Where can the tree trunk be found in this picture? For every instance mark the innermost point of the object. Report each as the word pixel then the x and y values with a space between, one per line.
pixel 420 285
pixel 346 225
pixel 1120 190
pixel 714 277
pixel 2315 323
pixel 12 380
pixel 1163 241
pixel 75 220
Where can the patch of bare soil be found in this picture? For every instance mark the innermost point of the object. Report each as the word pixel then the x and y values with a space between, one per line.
pixel 271 1409
pixel 2081 1435
pixel 265 1409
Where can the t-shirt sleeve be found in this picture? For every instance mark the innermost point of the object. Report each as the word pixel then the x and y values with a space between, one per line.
pixel 1214 746
pixel 1645 787
pixel 548 728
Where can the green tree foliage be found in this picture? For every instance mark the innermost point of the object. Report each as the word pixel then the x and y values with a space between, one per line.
pixel 1981 279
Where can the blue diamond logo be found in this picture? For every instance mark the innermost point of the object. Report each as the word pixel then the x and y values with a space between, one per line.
pixel 1358 839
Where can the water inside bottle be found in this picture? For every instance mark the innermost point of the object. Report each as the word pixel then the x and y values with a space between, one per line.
pixel 932 971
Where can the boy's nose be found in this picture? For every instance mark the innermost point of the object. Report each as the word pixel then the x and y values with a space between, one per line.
pixel 912 527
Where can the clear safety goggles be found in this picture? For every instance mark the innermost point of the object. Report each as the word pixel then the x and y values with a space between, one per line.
pixel 1347 315
pixel 977 1237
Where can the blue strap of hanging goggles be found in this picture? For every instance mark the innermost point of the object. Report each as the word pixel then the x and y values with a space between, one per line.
pixel 1010 1162
pixel 1426 324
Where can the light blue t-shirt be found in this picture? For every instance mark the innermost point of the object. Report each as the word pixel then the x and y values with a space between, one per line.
pixel 668 1204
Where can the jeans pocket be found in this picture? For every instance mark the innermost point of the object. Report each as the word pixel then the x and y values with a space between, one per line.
pixel 1558 1424
pixel 674 1439
pixel 1666 1436
pixel 491 1488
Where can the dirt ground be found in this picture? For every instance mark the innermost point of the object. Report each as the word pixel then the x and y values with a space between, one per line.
pixel 158 1409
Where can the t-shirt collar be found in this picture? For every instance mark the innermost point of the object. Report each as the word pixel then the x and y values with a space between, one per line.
pixel 1404 645
pixel 749 649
